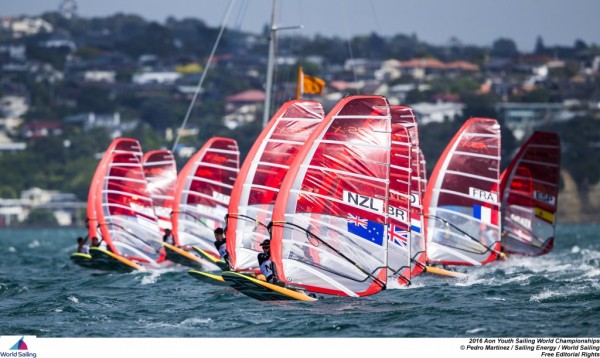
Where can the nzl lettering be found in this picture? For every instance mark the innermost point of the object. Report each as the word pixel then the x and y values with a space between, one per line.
pixel 483 195
pixel 363 201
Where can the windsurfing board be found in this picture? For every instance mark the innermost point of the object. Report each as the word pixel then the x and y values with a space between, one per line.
pixel 106 260
pixel 443 272
pixel 208 277
pixel 214 260
pixel 261 290
pixel 182 257
pixel 83 260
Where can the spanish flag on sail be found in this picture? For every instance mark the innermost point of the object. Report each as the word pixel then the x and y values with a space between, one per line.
pixel 308 84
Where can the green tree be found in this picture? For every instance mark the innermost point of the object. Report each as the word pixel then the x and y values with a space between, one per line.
pixel 505 48
pixel 540 49
pixel 40 217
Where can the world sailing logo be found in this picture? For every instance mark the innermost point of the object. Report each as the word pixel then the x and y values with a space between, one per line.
pixel 18 349
pixel 20 345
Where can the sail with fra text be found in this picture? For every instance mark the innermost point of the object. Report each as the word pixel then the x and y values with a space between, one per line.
pixel 462 203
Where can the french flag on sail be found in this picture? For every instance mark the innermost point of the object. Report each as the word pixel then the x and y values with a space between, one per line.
pixel 485 214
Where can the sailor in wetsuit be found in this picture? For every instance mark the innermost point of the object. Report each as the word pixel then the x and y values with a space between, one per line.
pixel 221 242
pixel 265 263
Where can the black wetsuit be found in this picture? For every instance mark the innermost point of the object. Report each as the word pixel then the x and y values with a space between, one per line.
pixel 266 267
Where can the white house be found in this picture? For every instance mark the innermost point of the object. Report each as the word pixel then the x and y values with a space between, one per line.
pixel 26 26
pixel 147 78
pixel 99 76
pixel 13 106
pixel 427 112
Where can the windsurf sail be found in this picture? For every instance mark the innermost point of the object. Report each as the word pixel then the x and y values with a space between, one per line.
pixel 399 208
pixel 405 116
pixel 462 206
pixel 529 187
pixel 124 208
pixel 202 193
pixel 262 172
pixel 160 171
pixel 329 228
pixel 97 179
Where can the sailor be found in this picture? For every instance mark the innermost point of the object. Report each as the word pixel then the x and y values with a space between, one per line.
pixel 265 263
pixel 221 242
pixel 81 245
pixel 95 242
pixel 168 237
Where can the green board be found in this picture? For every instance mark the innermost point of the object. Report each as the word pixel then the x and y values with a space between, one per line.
pixel 261 290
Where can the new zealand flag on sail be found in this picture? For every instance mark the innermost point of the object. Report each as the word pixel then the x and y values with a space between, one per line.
pixel 366 229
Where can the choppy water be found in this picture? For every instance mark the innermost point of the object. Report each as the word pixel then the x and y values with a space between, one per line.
pixel 43 294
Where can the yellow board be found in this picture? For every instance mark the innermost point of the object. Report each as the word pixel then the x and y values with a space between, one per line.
pixel 208 277
pixel 442 272
pixel 262 290
pixel 181 256
pixel 108 260
pixel 83 260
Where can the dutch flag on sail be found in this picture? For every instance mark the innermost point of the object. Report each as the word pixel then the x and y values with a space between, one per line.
pixel 415 220
pixel 485 214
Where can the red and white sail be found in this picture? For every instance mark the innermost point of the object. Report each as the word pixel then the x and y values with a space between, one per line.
pixel 160 171
pixel 124 208
pixel 529 187
pixel 399 206
pixel 405 116
pixel 462 201
pixel 124 145
pixel 257 187
pixel 330 219
pixel 202 193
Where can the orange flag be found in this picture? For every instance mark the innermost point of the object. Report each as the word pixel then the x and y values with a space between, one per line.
pixel 309 84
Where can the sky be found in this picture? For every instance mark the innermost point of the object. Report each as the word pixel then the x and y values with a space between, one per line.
pixel 473 22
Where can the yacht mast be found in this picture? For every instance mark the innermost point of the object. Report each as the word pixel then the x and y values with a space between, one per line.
pixel 271 59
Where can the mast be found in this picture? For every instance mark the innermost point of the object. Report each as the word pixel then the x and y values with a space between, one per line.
pixel 271 59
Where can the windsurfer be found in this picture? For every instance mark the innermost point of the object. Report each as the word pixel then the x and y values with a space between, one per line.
pixel 266 265
pixel 168 237
pixel 81 245
pixel 221 242
pixel 95 242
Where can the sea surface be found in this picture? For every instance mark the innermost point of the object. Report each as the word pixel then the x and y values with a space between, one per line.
pixel 42 293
